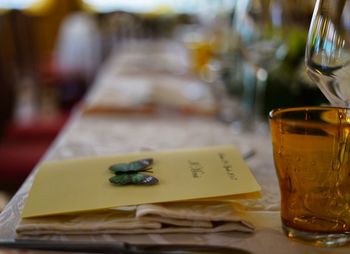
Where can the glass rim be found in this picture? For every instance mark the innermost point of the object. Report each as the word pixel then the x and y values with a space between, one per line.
pixel 277 111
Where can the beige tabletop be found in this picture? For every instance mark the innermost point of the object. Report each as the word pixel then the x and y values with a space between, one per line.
pixel 92 133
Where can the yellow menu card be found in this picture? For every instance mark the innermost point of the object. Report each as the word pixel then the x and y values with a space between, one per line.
pixel 82 185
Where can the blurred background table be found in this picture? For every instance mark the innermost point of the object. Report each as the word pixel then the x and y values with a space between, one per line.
pixel 251 52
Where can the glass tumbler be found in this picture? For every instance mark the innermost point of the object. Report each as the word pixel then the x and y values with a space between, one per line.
pixel 311 155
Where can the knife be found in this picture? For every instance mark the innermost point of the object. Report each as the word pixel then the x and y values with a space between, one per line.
pixel 117 247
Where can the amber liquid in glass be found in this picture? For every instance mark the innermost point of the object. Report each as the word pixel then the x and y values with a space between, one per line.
pixel 311 159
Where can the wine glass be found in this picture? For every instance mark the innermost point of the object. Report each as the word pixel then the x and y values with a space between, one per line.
pixel 327 56
pixel 258 26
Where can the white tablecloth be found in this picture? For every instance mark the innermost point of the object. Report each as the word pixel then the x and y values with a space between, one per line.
pixel 106 134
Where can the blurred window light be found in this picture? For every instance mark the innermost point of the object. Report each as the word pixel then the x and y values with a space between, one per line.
pixel 138 6
pixel 17 4
pixel 144 6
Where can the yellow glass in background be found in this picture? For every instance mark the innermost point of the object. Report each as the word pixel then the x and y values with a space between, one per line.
pixel 204 45
pixel 311 150
pixel 201 52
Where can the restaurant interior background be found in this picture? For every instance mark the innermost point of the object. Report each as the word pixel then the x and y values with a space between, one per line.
pixel 249 51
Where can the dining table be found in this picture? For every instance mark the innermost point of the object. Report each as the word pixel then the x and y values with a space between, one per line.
pixel 146 97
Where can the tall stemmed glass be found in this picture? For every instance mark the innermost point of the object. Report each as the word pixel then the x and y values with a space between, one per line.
pixel 327 55
pixel 258 26
pixel 327 59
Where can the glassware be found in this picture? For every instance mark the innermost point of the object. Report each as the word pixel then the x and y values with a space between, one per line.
pixel 327 55
pixel 313 170
pixel 258 25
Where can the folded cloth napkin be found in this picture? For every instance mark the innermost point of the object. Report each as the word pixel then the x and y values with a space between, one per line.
pixel 3 200
pixel 177 217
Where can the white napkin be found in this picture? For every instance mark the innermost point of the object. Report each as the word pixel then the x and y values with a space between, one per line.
pixel 177 217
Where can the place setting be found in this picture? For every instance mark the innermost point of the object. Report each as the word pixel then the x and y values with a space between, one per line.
pixel 149 163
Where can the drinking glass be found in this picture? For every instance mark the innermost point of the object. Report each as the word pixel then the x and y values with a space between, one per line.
pixel 311 157
pixel 311 144
pixel 257 23
pixel 327 55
